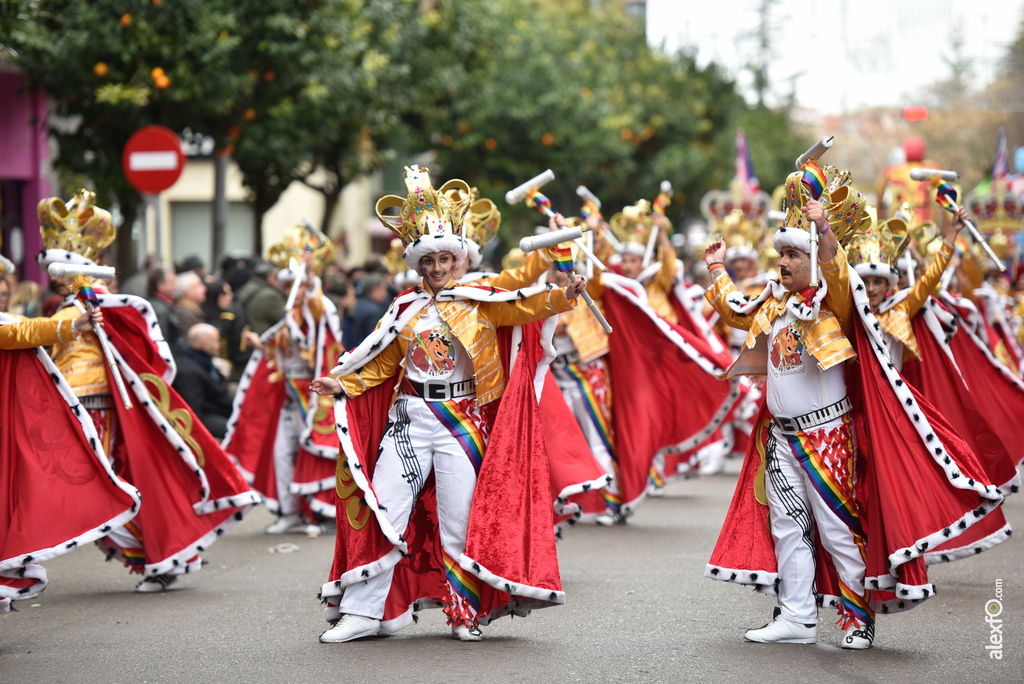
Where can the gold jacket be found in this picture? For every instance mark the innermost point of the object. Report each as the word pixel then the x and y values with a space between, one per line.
pixel 475 325
pixel 80 360
pixel 661 285
pixel 826 339
pixel 35 332
pixel 896 321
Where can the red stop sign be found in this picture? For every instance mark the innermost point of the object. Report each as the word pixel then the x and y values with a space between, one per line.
pixel 152 159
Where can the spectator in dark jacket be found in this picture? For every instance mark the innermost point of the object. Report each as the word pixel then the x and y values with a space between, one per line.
pixel 161 282
pixel 370 305
pixel 260 299
pixel 224 313
pixel 199 382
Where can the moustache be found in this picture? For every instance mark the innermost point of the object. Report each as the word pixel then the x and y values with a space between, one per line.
pixel 785 271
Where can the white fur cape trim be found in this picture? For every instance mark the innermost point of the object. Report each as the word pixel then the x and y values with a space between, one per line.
pixel 774 290
pixel 473 254
pixel 62 256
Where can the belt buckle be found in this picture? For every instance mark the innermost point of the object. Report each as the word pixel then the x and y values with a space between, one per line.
pixel 433 388
pixel 787 425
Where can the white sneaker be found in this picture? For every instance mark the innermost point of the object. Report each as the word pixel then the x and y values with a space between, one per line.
pixel 326 527
pixel 464 633
pixel 156 584
pixel 287 524
pixel 609 518
pixel 782 631
pixel 859 638
pixel 655 492
pixel 349 628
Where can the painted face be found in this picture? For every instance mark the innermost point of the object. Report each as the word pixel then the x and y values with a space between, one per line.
pixel 436 269
pixel 794 269
pixel 632 264
pixel 875 287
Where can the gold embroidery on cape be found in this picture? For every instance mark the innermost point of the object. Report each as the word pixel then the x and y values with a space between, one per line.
pixel 180 418
pixel 348 493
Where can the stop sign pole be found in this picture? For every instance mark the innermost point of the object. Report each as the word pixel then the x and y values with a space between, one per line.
pixel 153 161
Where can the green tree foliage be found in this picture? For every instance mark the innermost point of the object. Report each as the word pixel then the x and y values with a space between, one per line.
pixel 579 91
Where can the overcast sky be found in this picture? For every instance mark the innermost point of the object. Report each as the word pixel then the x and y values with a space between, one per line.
pixel 888 50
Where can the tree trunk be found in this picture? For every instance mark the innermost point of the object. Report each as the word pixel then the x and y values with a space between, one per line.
pixel 124 252
pixel 220 209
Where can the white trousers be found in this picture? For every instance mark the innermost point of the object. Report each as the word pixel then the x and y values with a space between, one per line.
pixel 577 403
pixel 416 442
pixel 286 449
pixel 797 508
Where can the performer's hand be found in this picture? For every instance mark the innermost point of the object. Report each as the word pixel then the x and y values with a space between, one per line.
pixel 715 252
pixel 88 321
pixel 593 222
pixel 958 223
pixel 815 211
pixel 325 386
pixel 307 257
pixel 252 340
pixel 557 222
pixel 573 289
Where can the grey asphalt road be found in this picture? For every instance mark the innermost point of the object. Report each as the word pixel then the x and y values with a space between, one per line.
pixel 638 610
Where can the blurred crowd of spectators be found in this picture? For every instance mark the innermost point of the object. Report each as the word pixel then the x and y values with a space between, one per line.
pixel 203 315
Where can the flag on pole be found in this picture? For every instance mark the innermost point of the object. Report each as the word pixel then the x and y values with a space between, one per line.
pixel 946 196
pixel 744 168
pixel 814 179
pixel 1001 166
pixel 562 257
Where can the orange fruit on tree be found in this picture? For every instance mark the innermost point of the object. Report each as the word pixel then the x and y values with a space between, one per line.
pixel 101 69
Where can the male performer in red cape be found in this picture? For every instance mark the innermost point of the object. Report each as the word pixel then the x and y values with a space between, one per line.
pixel 437 512
pixel 808 485
pixel 280 433
pixel 919 334
pixel 63 493
pixel 192 492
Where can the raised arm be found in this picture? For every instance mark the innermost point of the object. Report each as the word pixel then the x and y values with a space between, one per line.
pixel 722 286
pixel 833 265
pixel 926 285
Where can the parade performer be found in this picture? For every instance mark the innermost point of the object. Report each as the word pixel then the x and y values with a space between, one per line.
pixel 444 479
pixel 280 432
pixel 192 491
pixel 836 455
pixel 63 493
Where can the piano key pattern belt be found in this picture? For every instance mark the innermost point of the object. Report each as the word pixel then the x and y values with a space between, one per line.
pixel 563 360
pixel 808 421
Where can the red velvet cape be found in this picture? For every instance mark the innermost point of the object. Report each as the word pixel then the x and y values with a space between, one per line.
pixel 192 492
pixel 60 490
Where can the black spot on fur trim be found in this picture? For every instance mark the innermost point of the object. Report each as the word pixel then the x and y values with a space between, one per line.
pixel 732 577
pixel 753 575
pixel 946 532
pixel 714 571
pixel 962 524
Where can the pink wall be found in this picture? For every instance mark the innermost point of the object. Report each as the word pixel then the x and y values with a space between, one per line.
pixel 24 157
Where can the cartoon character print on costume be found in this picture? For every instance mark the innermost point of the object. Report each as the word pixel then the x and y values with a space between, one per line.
pixel 435 355
pixel 788 348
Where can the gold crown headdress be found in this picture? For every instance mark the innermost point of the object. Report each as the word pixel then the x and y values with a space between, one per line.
pixel 393 258
pixel 845 206
pixel 876 250
pixel 428 220
pixel 739 217
pixel 75 232
pixel 632 227
pixel 289 251
pixel 513 259
pixel 480 224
